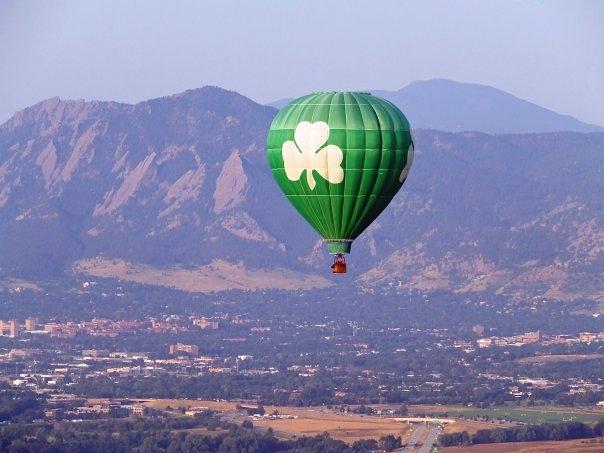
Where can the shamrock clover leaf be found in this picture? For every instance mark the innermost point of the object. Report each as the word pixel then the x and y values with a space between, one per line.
pixel 305 153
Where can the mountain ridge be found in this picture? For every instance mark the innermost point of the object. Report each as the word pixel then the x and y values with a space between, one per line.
pixel 180 186
pixel 447 105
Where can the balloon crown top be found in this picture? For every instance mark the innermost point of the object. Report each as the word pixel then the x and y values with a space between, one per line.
pixel 342 92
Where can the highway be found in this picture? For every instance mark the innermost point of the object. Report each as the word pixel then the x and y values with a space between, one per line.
pixel 430 439
pixel 418 430
pixel 429 433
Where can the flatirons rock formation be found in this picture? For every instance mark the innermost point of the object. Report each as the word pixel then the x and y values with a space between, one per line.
pixel 176 191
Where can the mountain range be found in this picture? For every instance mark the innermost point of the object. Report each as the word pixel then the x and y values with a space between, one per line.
pixel 176 191
pixel 451 106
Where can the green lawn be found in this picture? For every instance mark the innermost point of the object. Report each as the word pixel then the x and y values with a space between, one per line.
pixel 526 414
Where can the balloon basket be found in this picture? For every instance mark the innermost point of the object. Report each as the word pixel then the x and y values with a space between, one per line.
pixel 339 264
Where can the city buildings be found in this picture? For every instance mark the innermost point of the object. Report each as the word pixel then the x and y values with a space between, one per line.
pixel 181 348
pixel 9 328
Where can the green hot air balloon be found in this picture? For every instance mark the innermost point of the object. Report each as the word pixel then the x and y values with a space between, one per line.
pixel 339 158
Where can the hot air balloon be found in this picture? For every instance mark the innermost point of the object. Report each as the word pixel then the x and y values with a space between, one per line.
pixel 339 158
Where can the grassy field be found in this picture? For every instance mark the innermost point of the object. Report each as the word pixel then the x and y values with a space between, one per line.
pixel 174 403
pixel 535 414
pixel 472 426
pixel 567 446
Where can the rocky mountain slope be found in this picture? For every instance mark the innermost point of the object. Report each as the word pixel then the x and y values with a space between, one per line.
pixel 452 106
pixel 176 191
pixel 519 215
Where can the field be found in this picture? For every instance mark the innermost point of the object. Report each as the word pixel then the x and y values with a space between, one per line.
pixel 567 446
pixel 536 414
pixel 340 426
pixel 472 426
pixel 310 421
pixel 350 427
pixel 174 403
pixel 220 275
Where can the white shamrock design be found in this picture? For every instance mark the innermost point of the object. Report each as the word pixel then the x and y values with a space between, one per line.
pixel 407 168
pixel 306 154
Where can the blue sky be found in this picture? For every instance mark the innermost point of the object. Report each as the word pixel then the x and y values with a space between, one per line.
pixel 548 52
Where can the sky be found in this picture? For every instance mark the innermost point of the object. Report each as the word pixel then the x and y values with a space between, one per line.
pixel 548 52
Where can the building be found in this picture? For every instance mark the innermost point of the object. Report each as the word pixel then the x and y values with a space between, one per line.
pixel 181 348
pixel 114 409
pixel 9 328
pixel 587 337
pixel 52 327
pixel 203 323
pixel 529 337
pixel 485 342
pixel 57 330
pixel 23 353
pixel 501 341
pixel 95 353
pixel 138 410
pixel 31 324
pixel 462 344
pixel 192 411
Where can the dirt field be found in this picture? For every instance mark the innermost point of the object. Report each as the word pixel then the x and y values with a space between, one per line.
pixel 310 421
pixel 344 427
pixel 568 446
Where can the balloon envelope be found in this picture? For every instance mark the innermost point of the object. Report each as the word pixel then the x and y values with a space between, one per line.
pixel 340 157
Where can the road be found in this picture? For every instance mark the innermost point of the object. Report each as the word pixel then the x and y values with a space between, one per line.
pixel 433 434
pixel 418 430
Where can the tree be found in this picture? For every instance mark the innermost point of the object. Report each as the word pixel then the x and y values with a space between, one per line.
pixel 599 428
pixel 364 446
pixel 402 411
pixel 455 439
pixel 390 443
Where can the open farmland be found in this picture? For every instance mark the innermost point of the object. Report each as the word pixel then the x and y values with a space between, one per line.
pixel 350 427
pixel 346 427
pixel 309 422
pixel 566 446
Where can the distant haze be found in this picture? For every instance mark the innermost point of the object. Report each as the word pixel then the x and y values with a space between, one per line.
pixel 549 53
